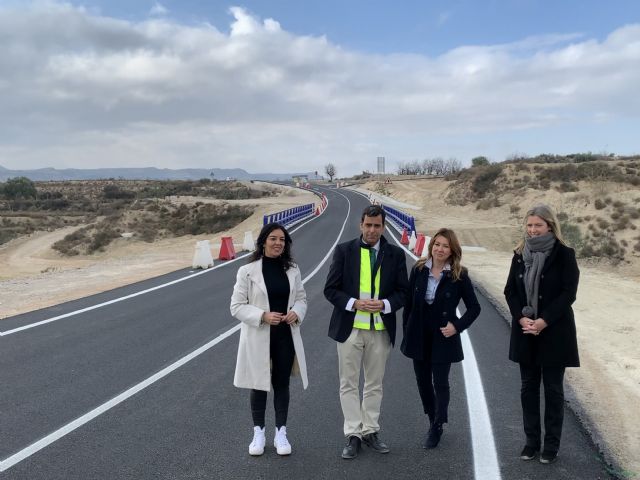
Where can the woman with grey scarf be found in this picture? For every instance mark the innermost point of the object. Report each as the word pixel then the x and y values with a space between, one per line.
pixel 540 290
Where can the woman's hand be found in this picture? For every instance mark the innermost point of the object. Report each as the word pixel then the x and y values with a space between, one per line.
pixel 532 327
pixel 527 326
pixel 449 330
pixel 290 317
pixel 272 318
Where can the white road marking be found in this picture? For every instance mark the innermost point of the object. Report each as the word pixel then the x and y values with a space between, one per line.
pixel 485 457
pixel 127 297
pixel 87 417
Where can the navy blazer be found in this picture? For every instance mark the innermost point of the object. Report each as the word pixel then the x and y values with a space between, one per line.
pixel 557 344
pixel 343 283
pixel 416 318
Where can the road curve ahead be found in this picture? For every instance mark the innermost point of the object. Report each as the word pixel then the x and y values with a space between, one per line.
pixel 108 387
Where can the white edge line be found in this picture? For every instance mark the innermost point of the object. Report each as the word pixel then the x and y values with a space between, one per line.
pixel 78 422
pixel 116 300
pixel 87 417
pixel 485 457
pixel 142 292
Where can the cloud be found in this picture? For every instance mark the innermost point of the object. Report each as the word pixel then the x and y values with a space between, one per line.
pixel 443 18
pixel 158 10
pixel 82 89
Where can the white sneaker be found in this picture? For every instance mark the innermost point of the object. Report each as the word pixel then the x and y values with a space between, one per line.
pixel 257 445
pixel 281 443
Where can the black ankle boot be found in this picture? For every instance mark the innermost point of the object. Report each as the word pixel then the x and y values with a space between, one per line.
pixel 433 437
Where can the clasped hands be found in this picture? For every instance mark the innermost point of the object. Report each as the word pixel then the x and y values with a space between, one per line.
pixel 531 326
pixel 274 318
pixel 370 306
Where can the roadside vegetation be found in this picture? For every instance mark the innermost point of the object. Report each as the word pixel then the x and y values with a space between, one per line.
pixel 106 209
pixel 610 234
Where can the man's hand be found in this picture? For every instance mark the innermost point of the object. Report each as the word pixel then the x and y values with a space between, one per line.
pixel 370 306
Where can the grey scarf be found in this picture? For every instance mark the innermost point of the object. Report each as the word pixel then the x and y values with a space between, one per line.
pixel 535 252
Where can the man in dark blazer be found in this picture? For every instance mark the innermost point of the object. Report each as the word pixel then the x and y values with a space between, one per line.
pixel 367 284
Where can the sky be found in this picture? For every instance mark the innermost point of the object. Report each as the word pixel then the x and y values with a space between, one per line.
pixel 290 85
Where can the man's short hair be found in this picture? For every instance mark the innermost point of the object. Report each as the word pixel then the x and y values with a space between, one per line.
pixel 373 211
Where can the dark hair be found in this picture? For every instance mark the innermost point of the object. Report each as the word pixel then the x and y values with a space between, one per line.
pixel 285 257
pixel 373 211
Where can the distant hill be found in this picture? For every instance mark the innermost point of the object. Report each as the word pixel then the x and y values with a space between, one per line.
pixel 151 173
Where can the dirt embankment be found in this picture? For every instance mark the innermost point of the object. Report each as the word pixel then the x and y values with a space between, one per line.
pixel 607 385
pixel 33 275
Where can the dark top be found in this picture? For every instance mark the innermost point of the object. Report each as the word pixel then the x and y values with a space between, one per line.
pixel 556 346
pixel 419 317
pixel 343 284
pixel 277 284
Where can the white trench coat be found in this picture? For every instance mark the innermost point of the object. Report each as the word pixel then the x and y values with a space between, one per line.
pixel 248 302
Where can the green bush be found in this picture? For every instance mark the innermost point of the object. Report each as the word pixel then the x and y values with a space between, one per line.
pixel 101 239
pixel 114 192
pixel 568 187
pixel 71 244
pixel 571 234
pixel 479 161
pixel 485 178
pixel 18 188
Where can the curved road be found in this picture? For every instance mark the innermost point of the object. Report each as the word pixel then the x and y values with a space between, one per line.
pixel 140 387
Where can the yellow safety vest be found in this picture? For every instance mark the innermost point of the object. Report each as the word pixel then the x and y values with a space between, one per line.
pixel 362 319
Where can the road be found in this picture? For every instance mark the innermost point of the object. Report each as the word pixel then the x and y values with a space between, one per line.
pixel 141 388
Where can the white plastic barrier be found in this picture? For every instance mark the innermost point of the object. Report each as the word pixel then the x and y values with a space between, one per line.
pixel 248 245
pixel 202 257
pixel 412 241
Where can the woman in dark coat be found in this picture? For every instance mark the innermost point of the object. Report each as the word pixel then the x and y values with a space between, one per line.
pixel 540 290
pixel 432 328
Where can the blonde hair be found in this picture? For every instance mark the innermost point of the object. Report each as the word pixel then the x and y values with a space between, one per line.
pixel 456 252
pixel 546 213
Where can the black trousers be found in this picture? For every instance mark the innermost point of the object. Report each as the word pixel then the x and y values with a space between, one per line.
pixel 282 354
pixel 433 386
pixel 552 379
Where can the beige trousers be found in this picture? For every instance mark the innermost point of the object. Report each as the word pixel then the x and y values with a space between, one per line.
pixel 369 349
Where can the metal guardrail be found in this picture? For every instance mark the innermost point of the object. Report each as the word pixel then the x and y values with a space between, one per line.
pixel 286 217
pixel 401 219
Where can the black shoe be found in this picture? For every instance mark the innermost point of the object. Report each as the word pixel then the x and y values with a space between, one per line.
pixel 528 453
pixel 352 448
pixel 373 442
pixel 426 437
pixel 433 437
pixel 548 456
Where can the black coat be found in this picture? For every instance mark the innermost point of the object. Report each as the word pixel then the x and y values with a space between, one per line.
pixel 343 283
pixel 557 344
pixel 415 317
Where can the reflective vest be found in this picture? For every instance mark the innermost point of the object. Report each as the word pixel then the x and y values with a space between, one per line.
pixel 362 319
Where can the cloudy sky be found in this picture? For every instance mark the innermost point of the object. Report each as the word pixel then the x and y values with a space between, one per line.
pixel 290 85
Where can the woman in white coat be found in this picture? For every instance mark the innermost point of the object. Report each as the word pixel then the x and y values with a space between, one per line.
pixel 270 301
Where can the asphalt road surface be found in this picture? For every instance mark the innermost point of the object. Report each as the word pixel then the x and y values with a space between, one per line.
pixel 136 383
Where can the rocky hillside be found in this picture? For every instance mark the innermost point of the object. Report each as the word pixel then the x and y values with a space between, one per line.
pixel 598 204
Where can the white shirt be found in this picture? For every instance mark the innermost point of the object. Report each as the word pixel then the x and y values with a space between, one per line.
pixel 433 282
